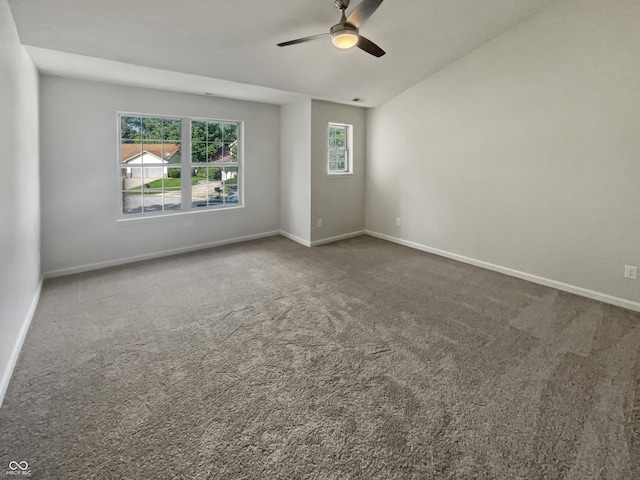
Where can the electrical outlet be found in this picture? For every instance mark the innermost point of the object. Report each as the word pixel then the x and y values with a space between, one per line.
pixel 188 223
pixel 319 223
pixel 631 272
pixel 398 222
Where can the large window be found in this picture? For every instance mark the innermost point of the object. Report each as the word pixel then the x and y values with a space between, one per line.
pixel 150 164
pixel 214 162
pixel 339 149
pixel 177 164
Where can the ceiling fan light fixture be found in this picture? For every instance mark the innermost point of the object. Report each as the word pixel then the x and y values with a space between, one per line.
pixel 344 36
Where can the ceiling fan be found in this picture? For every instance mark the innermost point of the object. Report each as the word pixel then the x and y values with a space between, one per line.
pixel 346 34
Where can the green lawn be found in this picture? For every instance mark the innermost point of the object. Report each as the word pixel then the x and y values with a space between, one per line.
pixel 174 183
pixel 168 183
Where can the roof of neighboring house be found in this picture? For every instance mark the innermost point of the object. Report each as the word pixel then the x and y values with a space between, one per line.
pixel 223 153
pixel 160 150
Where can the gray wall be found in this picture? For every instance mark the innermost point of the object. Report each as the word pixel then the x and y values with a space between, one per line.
pixel 336 199
pixel 524 154
pixel 19 195
pixel 295 170
pixel 80 177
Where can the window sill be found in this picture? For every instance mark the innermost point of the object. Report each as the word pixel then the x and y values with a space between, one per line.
pixel 133 219
pixel 339 175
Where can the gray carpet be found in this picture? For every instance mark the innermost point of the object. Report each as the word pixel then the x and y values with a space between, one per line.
pixel 356 360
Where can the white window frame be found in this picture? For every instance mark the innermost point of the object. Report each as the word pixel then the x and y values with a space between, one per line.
pixel 348 150
pixel 185 165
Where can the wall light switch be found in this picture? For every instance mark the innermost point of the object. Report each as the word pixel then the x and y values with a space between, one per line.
pixel 398 222
pixel 631 272
pixel 319 223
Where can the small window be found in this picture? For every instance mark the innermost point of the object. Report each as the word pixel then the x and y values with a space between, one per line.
pixel 339 149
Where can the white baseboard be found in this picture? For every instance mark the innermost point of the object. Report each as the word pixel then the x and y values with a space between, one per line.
pixel 15 353
pixel 148 256
pixel 322 241
pixel 336 238
pixel 295 238
pixel 603 297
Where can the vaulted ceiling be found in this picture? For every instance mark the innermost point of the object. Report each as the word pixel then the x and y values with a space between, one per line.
pixel 232 41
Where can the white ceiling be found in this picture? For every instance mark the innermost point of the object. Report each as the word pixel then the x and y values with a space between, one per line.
pixel 230 41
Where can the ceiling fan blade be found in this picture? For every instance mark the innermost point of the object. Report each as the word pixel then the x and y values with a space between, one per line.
pixel 370 47
pixel 302 40
pixel 362 12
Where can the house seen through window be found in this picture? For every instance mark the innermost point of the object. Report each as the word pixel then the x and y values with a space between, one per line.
pixel 177 164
